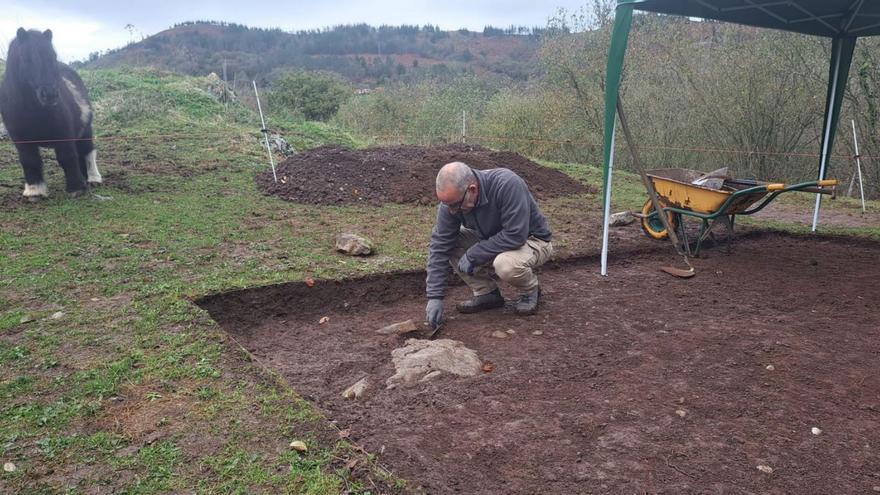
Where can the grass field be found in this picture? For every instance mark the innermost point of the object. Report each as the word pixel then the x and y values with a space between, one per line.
pixel 112 380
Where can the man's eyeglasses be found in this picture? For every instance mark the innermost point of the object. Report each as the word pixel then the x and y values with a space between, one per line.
pixel 456 207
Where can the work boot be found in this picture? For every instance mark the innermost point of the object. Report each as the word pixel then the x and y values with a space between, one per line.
pixel 528 302
pixel 481 303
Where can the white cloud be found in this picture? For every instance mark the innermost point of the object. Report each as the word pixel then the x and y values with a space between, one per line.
pixel 73 36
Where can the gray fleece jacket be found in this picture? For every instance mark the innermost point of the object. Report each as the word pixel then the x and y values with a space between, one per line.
pixel 504 217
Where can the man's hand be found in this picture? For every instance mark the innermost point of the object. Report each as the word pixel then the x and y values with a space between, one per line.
pixel 434 312
pixel 465 265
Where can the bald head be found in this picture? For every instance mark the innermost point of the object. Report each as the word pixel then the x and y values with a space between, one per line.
pixel 454 178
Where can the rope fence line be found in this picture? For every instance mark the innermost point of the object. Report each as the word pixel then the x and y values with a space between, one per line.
pixel 401 139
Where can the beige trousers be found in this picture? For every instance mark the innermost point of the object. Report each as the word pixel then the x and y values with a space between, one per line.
pixel 514 267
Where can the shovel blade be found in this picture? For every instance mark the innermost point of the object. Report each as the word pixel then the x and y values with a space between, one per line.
pixel 678 272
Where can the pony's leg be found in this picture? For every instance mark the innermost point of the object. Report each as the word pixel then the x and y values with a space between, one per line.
pixel 87 160
pixel 68 158
pixel 32 166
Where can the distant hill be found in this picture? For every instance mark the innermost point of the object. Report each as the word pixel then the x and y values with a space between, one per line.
pixel 360 53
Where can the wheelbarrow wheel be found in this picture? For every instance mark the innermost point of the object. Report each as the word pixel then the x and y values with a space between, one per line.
pixel 651 223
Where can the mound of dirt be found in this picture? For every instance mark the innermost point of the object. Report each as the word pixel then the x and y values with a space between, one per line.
pixel 332 175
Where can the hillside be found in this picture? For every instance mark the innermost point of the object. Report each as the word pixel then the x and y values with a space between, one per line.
pixel 360 53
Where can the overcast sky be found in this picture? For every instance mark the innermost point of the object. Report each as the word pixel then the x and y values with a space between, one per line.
pixel 84 26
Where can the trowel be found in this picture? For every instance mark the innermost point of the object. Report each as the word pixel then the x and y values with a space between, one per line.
pixel 435 330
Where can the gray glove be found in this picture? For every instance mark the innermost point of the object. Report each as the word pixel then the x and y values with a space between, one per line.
pixel 434 312
pixel 465 265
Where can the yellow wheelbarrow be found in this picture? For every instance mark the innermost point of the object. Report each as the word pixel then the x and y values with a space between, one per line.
pixel 683 192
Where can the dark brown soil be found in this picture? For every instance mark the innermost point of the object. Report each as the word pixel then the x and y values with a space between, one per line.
pixel 640 382
pixel 331 175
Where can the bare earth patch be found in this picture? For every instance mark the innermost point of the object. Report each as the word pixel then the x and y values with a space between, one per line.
pixel 638 382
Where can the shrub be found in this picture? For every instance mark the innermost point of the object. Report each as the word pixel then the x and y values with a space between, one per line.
pixel 314 95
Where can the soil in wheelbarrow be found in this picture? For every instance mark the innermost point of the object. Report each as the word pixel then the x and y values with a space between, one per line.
pixel 758 375
pixel 332 175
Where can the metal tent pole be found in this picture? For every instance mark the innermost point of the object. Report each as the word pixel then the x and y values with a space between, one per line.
pixel 827 135
pixel 613 73
pixel 607 211
pixel 858 165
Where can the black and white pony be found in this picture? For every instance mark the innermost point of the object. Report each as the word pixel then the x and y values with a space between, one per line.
pixel 44 103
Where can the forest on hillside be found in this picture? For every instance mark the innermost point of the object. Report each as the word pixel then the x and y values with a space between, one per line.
pixel 359 53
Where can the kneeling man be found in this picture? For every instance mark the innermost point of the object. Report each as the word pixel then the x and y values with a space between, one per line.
pixel 486 218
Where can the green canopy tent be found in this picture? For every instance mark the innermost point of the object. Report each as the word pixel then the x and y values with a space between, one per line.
pixel 843 21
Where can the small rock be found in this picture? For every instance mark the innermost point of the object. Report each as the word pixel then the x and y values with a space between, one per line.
pixel 681 413
pixel 498 334
pixel 877 488
pixel 354 245
pixel 9 467
pixel 621 218
pixel 357 390
pixel 95 299
pixel 25 319
pixel 765 469
pixel 398 328
pixel 770 367
pixel 537 332
pixel 299 446
pixel 57 315
pixel 816 431
pixel 324 319
pixel 511 331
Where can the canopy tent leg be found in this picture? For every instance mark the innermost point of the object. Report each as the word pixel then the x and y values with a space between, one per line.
pixel 616 53
pixel 838 74
pixel 606 212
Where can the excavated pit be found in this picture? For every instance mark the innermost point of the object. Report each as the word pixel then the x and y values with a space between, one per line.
pixel 633 383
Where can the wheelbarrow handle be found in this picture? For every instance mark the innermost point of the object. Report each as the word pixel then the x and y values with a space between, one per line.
pixel 819 183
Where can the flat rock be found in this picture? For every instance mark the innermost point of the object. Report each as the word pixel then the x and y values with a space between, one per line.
pixel 419 358
pixel 621 218
pixel 354 245
pixel 398 328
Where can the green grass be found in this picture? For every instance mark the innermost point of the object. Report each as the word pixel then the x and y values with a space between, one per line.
pixel 182 219
pixel 130 356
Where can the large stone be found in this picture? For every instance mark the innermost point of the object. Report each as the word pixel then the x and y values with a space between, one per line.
pixel 354 245
pixel 420 358
pixel 621 218
pixel 3 133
